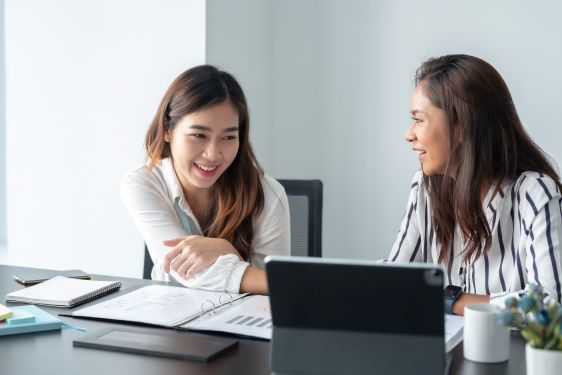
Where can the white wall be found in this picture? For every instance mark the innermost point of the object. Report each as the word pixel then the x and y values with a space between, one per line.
pixel 84 79
pixel 2 137
pixel 245 49
pixel 341 74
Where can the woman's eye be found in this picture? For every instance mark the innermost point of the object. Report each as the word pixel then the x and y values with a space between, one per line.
pixel 416 120
pixel 198 136
pixel 230 137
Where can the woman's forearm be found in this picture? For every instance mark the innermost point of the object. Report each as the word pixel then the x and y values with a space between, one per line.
pixel 466 299
pixel 254 281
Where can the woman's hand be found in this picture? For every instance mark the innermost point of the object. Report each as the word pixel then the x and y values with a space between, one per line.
pixel 192 254
pixel 466 299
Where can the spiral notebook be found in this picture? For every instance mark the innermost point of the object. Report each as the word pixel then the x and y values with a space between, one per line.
pixel 63 292
pixel 187 309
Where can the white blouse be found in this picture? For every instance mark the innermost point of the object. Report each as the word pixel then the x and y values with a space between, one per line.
pixel 158 207
pixel 526 222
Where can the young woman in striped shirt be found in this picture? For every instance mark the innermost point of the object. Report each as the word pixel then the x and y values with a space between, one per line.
pixel 486 204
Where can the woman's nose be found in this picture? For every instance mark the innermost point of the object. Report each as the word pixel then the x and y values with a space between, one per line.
pixel 212 151
pixel 410 136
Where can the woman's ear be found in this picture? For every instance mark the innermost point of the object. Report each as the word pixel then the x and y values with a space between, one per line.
pixel 167 136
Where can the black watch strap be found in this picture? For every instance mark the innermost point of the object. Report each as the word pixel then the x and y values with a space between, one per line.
pixel 450 294
pixel 449 305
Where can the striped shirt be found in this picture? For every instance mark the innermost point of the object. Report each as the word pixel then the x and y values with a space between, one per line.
pixel 525 218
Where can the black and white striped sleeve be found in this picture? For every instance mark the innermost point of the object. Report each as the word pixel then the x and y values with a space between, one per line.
pixel 407 245
pixel 543 230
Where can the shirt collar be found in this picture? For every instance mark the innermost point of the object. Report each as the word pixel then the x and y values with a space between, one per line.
pixel 171 179
pixel 491 202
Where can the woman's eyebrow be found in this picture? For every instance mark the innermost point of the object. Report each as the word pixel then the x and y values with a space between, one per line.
pixel 208 129
pixel 200 127
pixel 416 111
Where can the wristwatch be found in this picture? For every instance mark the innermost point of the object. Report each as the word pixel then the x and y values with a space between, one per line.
pixel 450 294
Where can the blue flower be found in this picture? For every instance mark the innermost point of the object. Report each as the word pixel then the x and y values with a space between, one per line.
pixel 511 302
pixel 535 288
pixel 543 317
pixel 505 317
pixel 526 303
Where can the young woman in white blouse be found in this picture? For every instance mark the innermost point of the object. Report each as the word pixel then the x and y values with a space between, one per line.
pixel 202 203
pixel 487 204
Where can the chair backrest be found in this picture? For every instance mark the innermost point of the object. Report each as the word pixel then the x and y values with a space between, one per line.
pixel 305 204
pixel 148 264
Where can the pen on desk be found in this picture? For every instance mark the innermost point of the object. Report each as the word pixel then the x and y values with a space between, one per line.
pixel 70 326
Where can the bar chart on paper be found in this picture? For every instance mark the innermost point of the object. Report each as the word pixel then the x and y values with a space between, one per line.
pixel 250 321
pixel 250 316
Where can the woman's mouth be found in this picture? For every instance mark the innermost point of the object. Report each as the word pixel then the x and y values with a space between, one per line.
pixel 206 170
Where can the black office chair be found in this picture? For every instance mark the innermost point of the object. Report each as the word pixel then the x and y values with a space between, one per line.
pixel 148 264
pixel 305 206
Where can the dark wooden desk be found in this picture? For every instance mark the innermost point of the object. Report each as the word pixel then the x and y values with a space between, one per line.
pixel 53 353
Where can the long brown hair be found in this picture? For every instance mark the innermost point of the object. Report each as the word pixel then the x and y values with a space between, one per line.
pixel 493 146
pixel 238 193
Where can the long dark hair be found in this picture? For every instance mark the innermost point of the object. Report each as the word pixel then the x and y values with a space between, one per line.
pixel 238 193
pixel 493 146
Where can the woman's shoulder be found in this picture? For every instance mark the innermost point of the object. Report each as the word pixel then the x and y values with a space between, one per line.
pixel 535 183
pixel 158 177
pixel 535 190
pixel 273 188
pixel 142 174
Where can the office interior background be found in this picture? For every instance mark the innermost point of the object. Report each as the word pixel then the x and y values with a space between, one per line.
pixel 328 84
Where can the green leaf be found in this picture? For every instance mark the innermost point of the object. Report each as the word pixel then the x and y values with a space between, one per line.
pixel 552 343
pixel 532 337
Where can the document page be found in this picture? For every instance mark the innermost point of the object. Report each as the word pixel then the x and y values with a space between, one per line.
pixel 250 316
pixel 158 304
pixel 453 331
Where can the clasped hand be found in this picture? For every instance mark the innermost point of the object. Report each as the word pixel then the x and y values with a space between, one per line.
pixel 192 254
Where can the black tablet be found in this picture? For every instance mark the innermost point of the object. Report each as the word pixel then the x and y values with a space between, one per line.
pixel 156 342
pixel 346 316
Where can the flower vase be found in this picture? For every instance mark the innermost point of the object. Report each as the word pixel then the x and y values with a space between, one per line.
pixel 543 362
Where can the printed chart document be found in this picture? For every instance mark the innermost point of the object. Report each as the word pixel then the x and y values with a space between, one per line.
pixel 453 331
pixel 250 316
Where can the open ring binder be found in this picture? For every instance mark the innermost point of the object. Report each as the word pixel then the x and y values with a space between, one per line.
pixel 187 309
pixel 209 309
pixel 229 302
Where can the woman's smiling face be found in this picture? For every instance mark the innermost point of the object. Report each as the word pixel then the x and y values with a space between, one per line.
pixel 429 133
pixel 204 144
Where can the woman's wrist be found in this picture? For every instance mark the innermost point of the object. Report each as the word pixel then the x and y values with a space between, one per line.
pixel 230 248
pixel 254 281
pixel 466 299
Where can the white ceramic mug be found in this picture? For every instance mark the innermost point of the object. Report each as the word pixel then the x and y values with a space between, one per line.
pixel 485 340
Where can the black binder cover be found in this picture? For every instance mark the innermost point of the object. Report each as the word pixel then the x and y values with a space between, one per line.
pixel 170 344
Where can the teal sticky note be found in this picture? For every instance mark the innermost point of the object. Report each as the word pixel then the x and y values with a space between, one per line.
pixel 43 322
pixel 20 317
pixel 5 312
